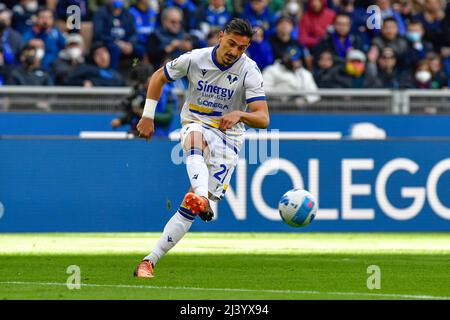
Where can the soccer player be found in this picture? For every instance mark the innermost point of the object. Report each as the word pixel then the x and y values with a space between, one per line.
pixel 223 83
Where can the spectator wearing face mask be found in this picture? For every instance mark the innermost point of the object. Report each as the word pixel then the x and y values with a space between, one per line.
pixel 352 73
pixel 62 19
pixel 289 75
pixel 53 38
pixel 11 40
pixel 23 13
pixel 29 73
pixel 98 72
pixel 69 59
pixel 418 48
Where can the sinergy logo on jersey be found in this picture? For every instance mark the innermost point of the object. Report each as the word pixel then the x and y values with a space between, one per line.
pixel 203 86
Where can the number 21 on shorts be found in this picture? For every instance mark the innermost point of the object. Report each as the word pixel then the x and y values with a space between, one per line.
pixel 218 174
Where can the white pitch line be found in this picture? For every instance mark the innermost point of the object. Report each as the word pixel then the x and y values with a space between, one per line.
pixel 384 295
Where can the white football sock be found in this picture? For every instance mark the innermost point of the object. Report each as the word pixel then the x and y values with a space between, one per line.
pixel 197 172
pixel 174 230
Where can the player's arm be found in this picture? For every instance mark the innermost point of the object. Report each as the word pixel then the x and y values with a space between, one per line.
pixel 256 117
pixel 146 125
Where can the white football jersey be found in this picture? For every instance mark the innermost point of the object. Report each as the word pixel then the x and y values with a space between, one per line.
pixel 215 90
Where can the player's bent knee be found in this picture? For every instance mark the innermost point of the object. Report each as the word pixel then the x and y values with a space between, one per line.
pixel 195 140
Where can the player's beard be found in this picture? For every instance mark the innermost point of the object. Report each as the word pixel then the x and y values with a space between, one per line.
pixel 229 59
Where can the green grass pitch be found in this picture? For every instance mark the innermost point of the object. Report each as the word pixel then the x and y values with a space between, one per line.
pixel 227 266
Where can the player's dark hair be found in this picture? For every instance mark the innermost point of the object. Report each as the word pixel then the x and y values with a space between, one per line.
pixel 240 27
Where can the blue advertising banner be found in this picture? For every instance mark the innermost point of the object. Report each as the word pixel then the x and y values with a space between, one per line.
pixel 129 185
pixel 70 124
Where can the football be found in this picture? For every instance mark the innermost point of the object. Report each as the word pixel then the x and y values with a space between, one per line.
pixel 297 207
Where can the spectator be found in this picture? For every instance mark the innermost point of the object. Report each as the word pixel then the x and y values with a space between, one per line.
pixel 340 41
pixel 145 19
pixel 85 29
pixel 352 75
pixel 29 72
pixel 406 10
pixel 417 46
pixel 23 13
pixel 170 39
pixel 215 15
pixel 71 57
pixel 63 5
pixel 388 11
pixel 387 71
pixel 288 75
pixel 422 75
pixel 315 22
pixel 389 37
pixel 281 41
pixel 53 38
pixel 133 105
pixel 432 18
pixel 445 44
pixel 114 26
pixel 99 73
pixel 324 72
pixel 294 10
pixel 11 40
pixel 5 71
pixel 189 10
pixel 257 12
pixel 358 17
pixel 439 78
pixel 260 50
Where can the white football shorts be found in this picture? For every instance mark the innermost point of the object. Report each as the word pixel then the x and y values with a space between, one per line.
pixel 221 157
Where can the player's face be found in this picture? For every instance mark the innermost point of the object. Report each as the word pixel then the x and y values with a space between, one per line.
pixel 231 47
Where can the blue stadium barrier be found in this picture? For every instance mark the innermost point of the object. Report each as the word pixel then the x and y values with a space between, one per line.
pixel 64 185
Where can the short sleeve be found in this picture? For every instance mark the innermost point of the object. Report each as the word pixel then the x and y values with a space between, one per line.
pixel 178 68
pixel 253 84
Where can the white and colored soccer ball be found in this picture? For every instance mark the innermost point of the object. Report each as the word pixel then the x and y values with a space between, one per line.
pixel 297 207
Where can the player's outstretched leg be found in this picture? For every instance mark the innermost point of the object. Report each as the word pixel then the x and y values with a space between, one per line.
pixel 195 203
pixel 175 229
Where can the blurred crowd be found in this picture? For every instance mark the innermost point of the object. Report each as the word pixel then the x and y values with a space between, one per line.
pixel 298 45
